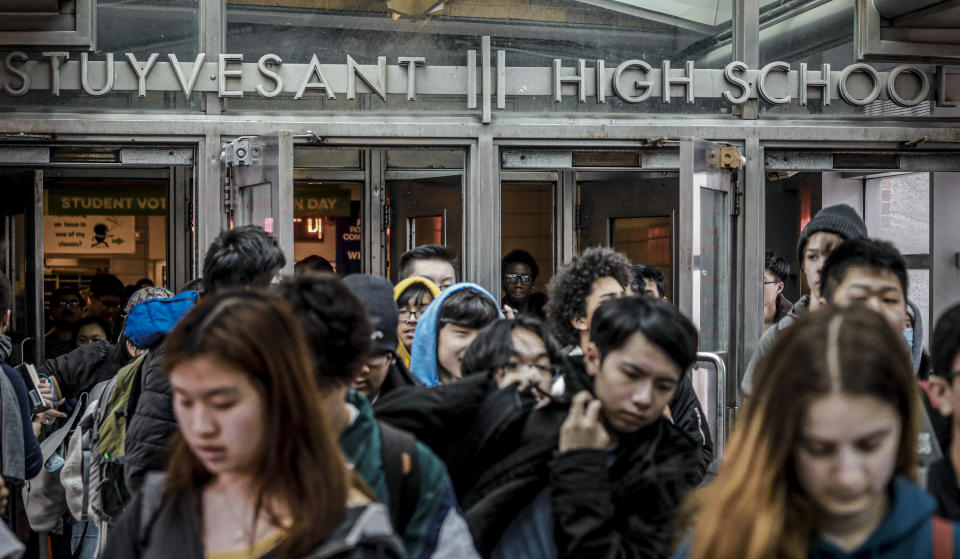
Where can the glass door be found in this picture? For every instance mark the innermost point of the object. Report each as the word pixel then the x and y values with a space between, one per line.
pixel 22 262
pixel 259 179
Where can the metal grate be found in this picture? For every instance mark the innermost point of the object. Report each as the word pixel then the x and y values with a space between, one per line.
pixel 889 108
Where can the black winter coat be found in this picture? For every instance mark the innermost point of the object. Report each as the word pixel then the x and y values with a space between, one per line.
pixel 81 369
pixel 152 425
pixel 398 376
pixel 174 530
pixel 684 407
pixel 600 512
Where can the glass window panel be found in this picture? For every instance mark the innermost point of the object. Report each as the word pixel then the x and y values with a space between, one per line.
pixel 142 27
pixel 531 32
pixel 919 292
pixel 710 280
pixel 898 210
pixel 326 224
pixel 526 222
pixel 645 240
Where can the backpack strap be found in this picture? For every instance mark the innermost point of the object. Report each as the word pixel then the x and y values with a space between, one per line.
pixel 52 443
pixel 401 466
pixel 943 544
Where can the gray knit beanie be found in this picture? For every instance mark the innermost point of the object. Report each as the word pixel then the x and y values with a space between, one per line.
pixel 840 219
pixel 377 295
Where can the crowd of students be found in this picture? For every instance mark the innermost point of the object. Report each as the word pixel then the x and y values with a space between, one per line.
pixel 315 417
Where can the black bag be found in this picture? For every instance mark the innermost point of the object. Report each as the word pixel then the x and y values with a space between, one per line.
pixel 401 466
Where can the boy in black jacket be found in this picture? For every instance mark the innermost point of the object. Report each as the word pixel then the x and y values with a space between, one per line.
pixel 601 474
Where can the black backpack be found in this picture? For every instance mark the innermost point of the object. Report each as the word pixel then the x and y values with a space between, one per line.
pixel 401 466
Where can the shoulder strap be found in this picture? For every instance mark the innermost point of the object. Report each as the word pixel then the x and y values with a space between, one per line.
pixel 53 442
pixel 943 544
pixel 401 466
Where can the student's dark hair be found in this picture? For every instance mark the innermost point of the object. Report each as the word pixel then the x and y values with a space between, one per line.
pixel 427 252
pixel 522 257
pixel 777 266
pixel 468 308
pixel 757 502
pixel 616 320
pixel 6 295
pixel 102 285
pixel 335 323
pixel 88 320
pixel 492 349
pixel 862 253
pixel 312 263
pixel 300 469
pixel 243 256
pixel 415 293
pixel 946 342
pixel 644 272
pixel 568 290
pixel 196 284
pixel 144 282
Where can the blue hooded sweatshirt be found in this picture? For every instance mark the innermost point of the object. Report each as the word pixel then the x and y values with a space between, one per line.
pixel 423 354
pixel 905 533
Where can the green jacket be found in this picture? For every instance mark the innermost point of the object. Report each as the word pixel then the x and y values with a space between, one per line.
pixel 437 528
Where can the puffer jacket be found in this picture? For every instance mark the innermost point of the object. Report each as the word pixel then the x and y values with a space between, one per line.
pixel 173 530
pixel 81 369
pixel 601 508
pixel 152 424
pixel 436 527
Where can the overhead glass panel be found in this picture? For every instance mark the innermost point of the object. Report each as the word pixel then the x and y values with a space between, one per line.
pixel 433 40
pixel 141 28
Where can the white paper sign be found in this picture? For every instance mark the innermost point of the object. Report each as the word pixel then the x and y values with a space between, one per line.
pixel 89 234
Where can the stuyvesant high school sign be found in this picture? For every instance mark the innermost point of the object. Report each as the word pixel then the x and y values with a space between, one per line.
pixel 631 81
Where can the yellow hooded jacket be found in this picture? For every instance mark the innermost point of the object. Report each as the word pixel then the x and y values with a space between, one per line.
pixel 397 291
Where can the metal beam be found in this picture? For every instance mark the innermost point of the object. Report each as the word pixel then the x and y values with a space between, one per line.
pixel 944 243
pixel 209 195
pixel 482 230
pixel 753 249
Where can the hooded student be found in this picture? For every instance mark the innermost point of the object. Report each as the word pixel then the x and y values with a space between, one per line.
pixel 412 296
pixel 447 328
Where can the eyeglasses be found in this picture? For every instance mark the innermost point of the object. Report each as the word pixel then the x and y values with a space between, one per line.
pixel 72 304
pixel 770 282
pixel 406 314
pixel 525 279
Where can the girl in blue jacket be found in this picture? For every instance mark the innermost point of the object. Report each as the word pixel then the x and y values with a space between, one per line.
pixel 823 461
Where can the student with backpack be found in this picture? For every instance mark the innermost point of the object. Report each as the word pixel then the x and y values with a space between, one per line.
pixel 822 463
pixel 256 471
pixel 403 473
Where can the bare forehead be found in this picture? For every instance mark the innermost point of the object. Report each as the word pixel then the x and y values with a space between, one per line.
pixel 875 279
pixel 433 267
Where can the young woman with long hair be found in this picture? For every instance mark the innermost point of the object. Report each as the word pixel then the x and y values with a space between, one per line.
pixel 822 462
pixel 255 470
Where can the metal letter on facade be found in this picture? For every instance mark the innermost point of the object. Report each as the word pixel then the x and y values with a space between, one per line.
pixel 17 55
pixel 501 79
pixel 762 83
pixel 892 86
pixel 85 75
pixel 225 74
pixel 942 88
pixel 56 58
pixel 411 62
pixel 353 71
pixel 744 85
pixel 645 86
pixel 845 91
pixel 471 79
pixel 264 66
pixel 686 81
pixel 185 84
pixel 823 83
pixel 142 72
pixel 580 80
pixel 600 75
pixel 314 69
